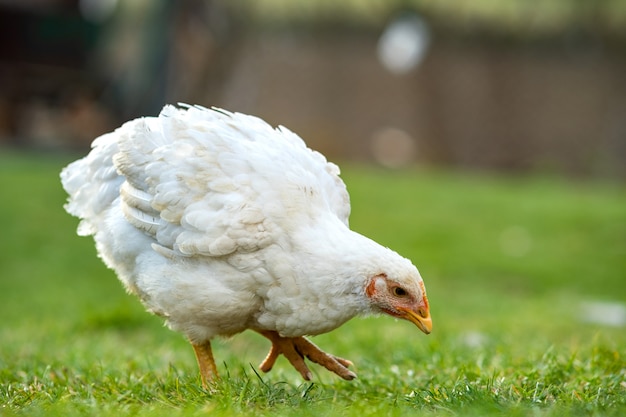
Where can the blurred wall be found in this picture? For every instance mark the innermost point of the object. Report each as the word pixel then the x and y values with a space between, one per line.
pixel 473 101
pixel 469 104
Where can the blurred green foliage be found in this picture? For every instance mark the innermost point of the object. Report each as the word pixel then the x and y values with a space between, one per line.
pixel 513 17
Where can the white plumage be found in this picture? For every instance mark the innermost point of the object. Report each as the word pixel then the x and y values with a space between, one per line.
pixel 220 223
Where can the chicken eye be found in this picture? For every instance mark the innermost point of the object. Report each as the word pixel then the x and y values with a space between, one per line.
pixel 399 292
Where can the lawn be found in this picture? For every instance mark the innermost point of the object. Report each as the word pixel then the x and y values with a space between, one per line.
pixel 518 271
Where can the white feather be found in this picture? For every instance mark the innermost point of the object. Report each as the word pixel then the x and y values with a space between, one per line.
pixel 220 223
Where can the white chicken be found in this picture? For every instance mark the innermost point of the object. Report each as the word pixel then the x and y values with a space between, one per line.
pixel 220 223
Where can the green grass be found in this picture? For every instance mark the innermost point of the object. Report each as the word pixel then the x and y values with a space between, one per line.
pixel 509 264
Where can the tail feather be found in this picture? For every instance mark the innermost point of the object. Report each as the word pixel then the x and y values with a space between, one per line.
pixel 92 184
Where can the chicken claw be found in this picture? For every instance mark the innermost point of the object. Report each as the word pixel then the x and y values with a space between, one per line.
pixel 296 349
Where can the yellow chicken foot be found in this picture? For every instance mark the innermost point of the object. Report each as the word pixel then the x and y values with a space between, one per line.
pixel 296 349
pixel 206 363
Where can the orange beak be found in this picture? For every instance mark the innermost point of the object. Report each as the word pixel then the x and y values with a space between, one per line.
pixel 421 318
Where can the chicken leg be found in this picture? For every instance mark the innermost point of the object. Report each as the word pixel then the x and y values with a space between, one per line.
pixel 296 349
pixel 206 363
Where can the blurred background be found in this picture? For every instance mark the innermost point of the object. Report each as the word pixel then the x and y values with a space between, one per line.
pixel 483 139
pixel 510 85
